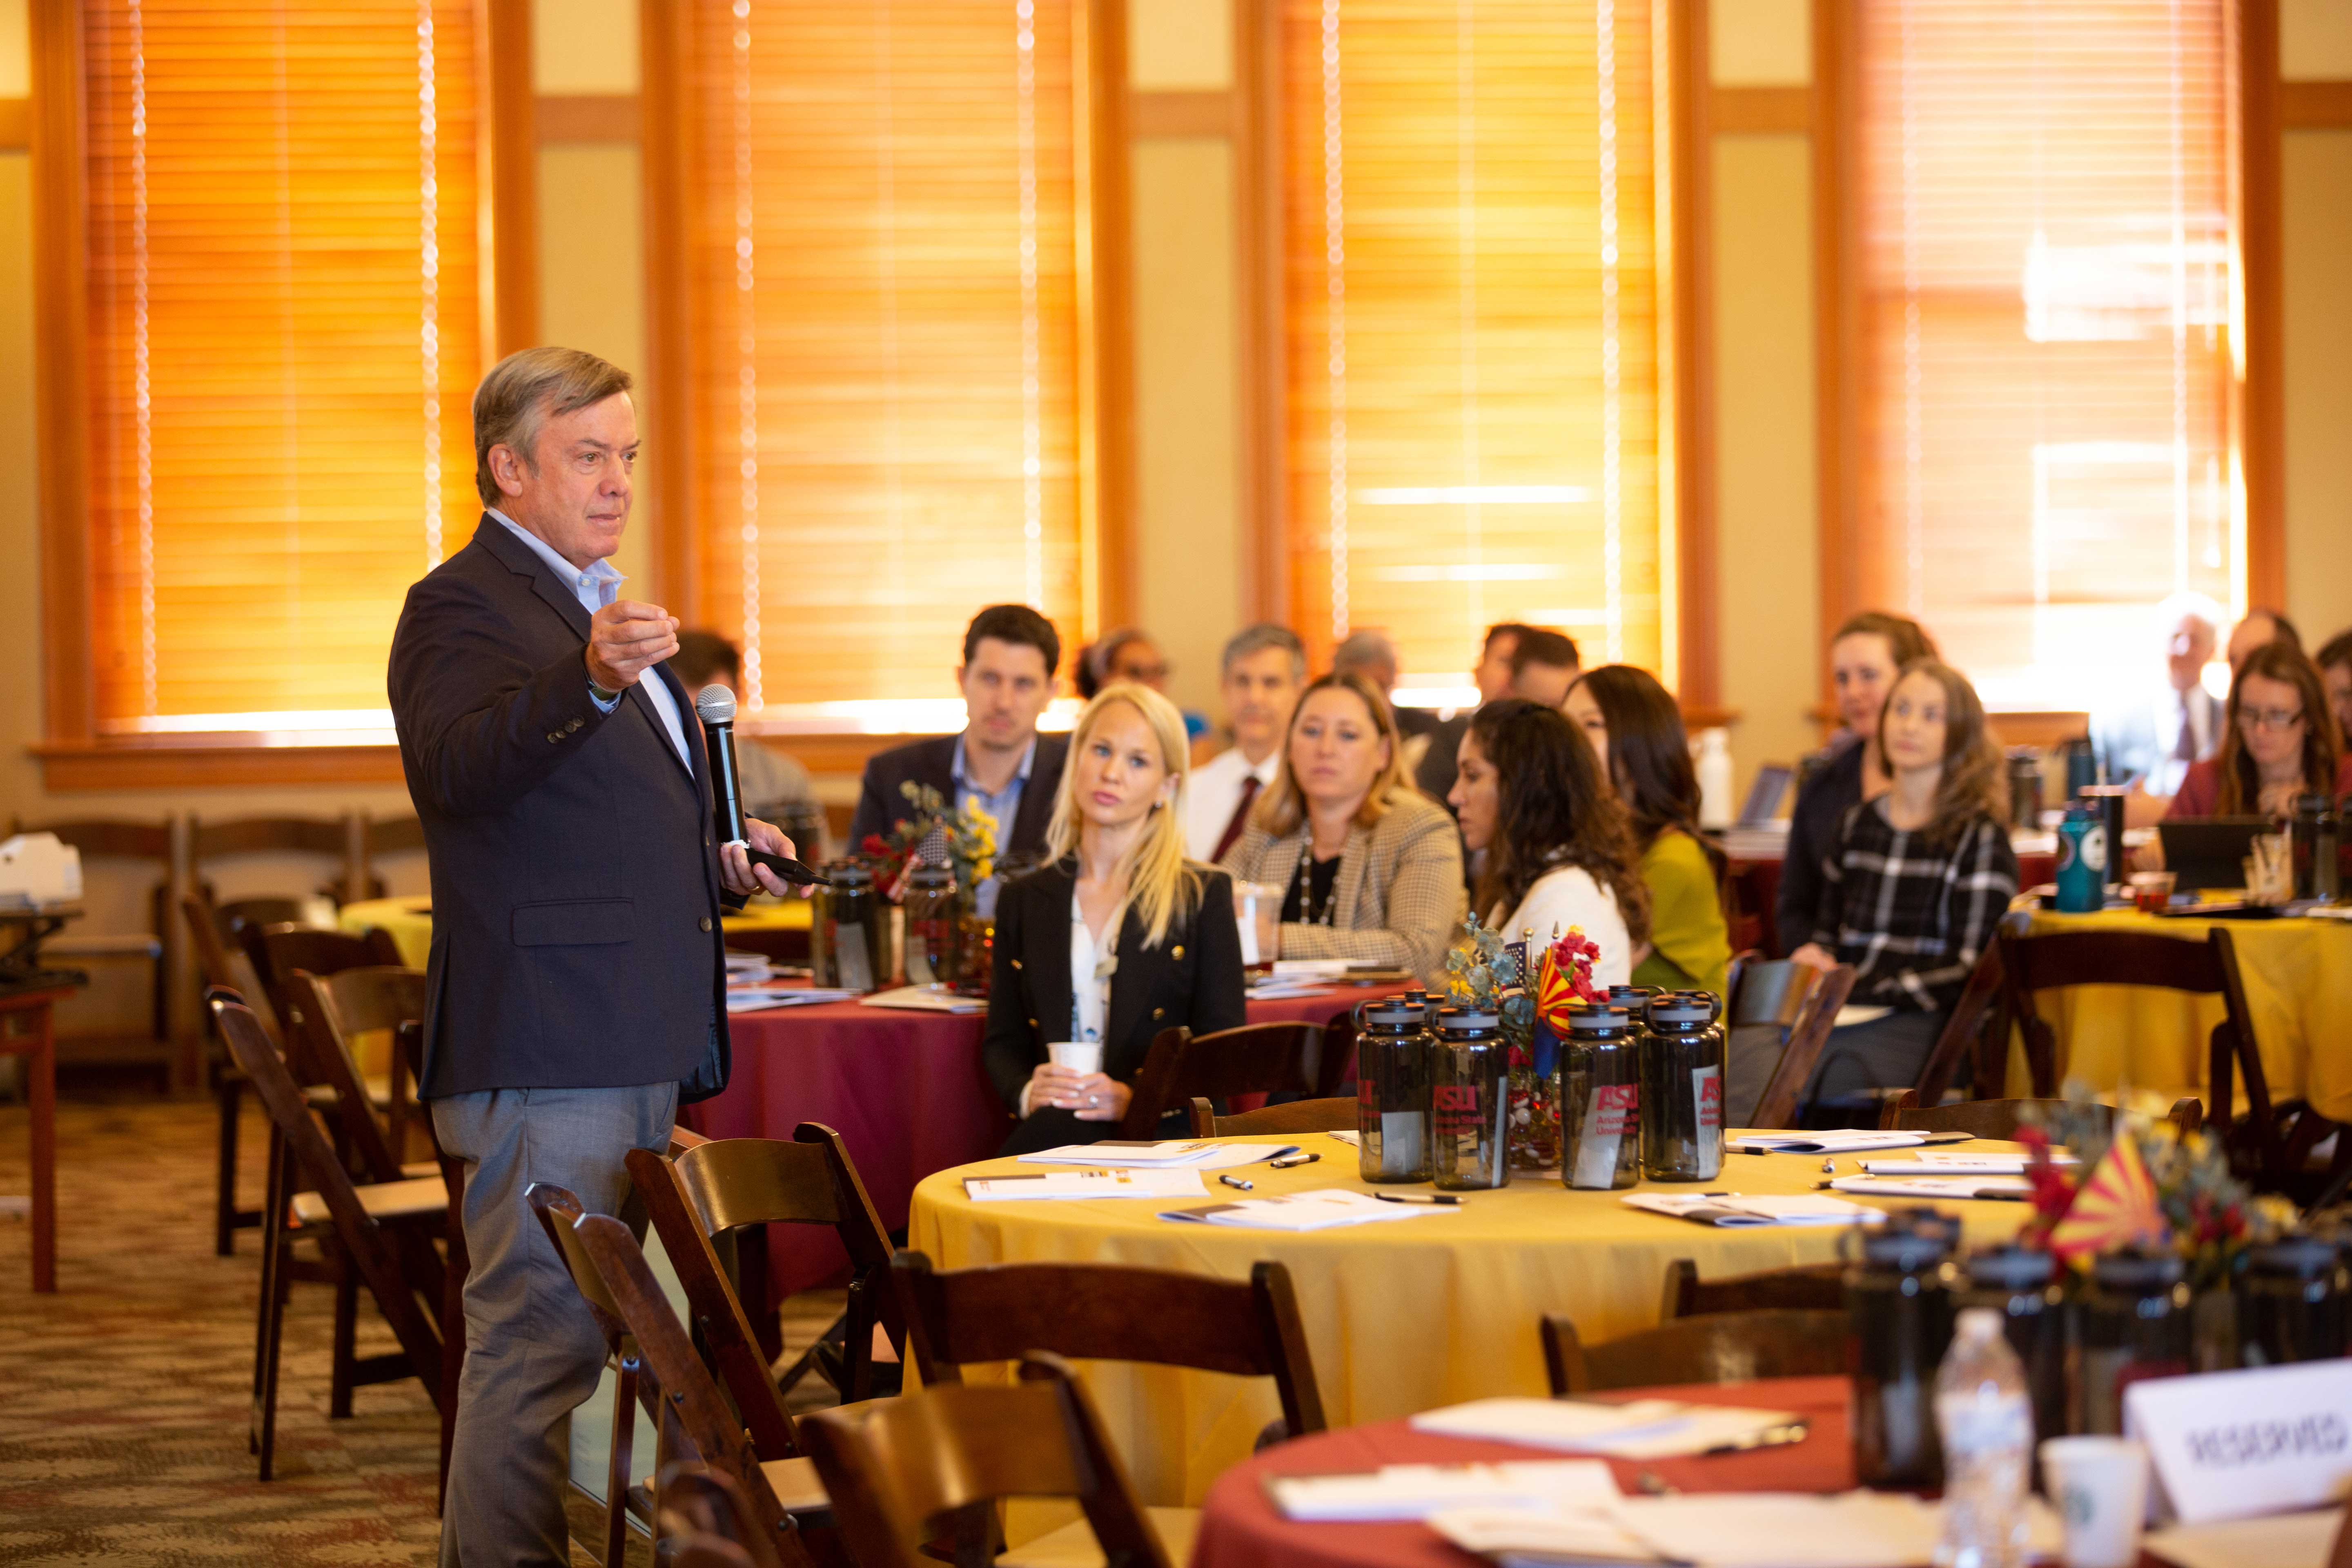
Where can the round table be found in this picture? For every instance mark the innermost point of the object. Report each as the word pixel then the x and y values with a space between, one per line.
pixel 2298 979
pixel 1241 1528
pixel 410 920
pixel 1399 1317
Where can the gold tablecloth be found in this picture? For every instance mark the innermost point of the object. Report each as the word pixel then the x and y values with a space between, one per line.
pixel 1400 1317
pixel 410 920
pixel 2298 979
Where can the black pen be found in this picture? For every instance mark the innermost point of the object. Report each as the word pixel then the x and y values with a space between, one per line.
pixel 1448 1199
pixel 1237 1182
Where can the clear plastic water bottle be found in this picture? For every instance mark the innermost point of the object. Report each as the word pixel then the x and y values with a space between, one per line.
pixel 1986 1418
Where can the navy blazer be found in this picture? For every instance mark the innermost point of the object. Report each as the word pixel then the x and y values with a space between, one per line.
pixel 1193 977
pixel 576 894
pixel 881 807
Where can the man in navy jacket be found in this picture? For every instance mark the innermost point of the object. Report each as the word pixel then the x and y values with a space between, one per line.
pixel 576 979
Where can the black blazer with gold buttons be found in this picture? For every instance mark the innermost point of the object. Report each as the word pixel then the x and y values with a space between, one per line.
pixel 1193 977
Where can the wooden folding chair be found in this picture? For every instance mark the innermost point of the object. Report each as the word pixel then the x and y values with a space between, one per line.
pixel 726 1193
pixel 1098 1312
pixel 706 1521
pixel 1292 1117
pixel 2000 1119
pixel 1978 1031
pixel 214 968
pixel 382 1230
pixel 1256 1059
pixel 902 1471
pixel 1815 1287
pixel 1807 1035
pixel 1720 1347
pixel 2209 968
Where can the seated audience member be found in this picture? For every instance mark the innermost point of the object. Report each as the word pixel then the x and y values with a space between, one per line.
pixel 1372 869
pixel 1636 731
pixel 1263 667
pixel 1559 853
pixel 2279 742
pixel 1119 938
pixel 1000 762
pixel 1129 654
pixel 2150 739
pixel 1371 655
pixel 1543 666
pixel 1492 677
pixel 2259 629
pixel 1865 657
pixel 1918 883
pixel 2335 663
pixel 772 786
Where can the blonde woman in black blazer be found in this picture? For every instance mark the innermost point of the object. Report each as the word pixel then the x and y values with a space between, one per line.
pixel 1119 938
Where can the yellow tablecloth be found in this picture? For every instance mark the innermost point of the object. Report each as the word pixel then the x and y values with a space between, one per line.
pixel 410 920
pixel 1400 1317
pixel 2298 979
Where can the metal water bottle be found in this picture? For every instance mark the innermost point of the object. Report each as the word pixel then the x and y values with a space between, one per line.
pixel 2313 835
pixel 2082 862
pixel 1392 1044
pixel 1683 1062
pixel 1469 1101
pixel 1601 1098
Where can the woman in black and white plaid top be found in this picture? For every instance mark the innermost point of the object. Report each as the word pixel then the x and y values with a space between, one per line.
pixel 1918 884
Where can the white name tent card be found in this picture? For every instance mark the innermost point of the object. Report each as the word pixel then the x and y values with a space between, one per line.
pixel 2230 1444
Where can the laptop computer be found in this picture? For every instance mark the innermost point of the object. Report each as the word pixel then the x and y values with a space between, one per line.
pixel 2210 851
pixel 1764 796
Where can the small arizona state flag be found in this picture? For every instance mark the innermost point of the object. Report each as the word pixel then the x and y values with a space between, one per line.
pixel 1555 994
pixel 2114 1206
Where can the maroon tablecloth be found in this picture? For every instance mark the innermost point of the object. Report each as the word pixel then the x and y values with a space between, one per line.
pixel 1240 1529
pixel 905 1090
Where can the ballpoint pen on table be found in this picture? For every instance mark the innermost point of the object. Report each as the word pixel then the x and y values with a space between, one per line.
pixel 1447 1199
pixel 1237 1182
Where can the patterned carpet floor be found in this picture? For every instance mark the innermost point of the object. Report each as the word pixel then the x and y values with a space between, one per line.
pixel 123 1397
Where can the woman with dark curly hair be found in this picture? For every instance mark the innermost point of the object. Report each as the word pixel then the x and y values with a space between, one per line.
pixel 1920 878
pixel 1560 851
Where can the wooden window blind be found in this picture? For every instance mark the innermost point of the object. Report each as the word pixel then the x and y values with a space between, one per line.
pixel 884 259
pixel 283 342
pixel 2049 398
pixel 1472 309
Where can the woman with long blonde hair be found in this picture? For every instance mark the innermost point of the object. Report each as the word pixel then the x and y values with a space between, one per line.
pixel 1919 880
pixel 1117 938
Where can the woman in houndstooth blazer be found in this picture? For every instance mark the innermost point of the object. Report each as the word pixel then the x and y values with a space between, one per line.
pixel 1371 869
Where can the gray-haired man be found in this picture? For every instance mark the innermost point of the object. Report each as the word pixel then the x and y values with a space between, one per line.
pixel 1262 668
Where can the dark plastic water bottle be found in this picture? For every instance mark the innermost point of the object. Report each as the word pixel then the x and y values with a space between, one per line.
pixel 1683 1063
pixel 1392 1043
pixel 1601 1098
pixel 1469 1101
pixel 1899 1323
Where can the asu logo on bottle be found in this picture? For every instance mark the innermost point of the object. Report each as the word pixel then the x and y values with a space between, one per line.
pixel 1455 1107
pixel 1616 1108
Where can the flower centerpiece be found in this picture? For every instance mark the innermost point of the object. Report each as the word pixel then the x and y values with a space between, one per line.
pixel 946 940
pixel 1487 973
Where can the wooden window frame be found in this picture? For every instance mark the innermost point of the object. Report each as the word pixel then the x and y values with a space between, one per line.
pixel 1837 235
pixel 73 755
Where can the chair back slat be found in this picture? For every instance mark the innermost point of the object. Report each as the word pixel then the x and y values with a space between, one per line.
pixel 1720 1347
pixel 201 918
pixel 735 1182
pixel 330 1009
pixel 1296 1117
pixel 271 835
pixel 1254 1059
pixel 1807 1035
pixel 1768 991
pixel 107 837
pixel 1962 1030
pixel 897 1470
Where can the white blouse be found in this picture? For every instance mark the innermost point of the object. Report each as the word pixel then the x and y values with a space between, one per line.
pixel 1090 978
pixel 1568 896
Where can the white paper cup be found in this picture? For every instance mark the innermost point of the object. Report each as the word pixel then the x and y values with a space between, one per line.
pixel 1079 1056
pixel 2099 1487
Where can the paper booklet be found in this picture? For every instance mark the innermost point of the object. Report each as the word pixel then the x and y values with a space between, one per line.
pixel 926 999
pixel 1737 1209
pixel 1196 1154
pixel 1830 1141
pixel 1416 1491
pixel 1318 1210
pixel 1161 1183
pixel 1638 1429
pixel 1934 1189
pixel 1942 1162
pixel 1724 1530
pixel 759 998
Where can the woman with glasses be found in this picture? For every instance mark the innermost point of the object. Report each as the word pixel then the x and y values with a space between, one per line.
pixel 2279 742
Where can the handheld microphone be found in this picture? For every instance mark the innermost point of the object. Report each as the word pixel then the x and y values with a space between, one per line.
pixel 715 706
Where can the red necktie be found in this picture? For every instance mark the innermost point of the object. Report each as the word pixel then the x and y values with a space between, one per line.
pixel 1240 819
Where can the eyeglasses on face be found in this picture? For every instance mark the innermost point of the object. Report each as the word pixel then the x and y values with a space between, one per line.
pixel 2269 718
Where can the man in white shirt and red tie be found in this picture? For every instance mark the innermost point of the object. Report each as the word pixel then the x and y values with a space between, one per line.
pixel 2150 739
pixel 1261 671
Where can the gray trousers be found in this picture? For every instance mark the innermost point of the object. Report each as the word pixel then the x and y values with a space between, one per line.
pixel 532 1353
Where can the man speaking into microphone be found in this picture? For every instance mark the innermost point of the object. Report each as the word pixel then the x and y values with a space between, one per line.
pixel 576 982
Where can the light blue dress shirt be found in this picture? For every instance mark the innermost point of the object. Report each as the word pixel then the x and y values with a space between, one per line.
pixel 598 586
pixel 1005 803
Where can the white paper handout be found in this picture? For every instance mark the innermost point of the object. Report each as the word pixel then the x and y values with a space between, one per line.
pixel 1828 1140
pixel 1735 1209
pixel 1638 1429
pixel 1954 1162
pixel 1162 1183
pixel 1318 1210
pixel 1937 1189
pixel 1416 1491
pixel 926 999
pixel 1167 1154
pixel 2281 1541
pixel 1728 1529
pixel 759 998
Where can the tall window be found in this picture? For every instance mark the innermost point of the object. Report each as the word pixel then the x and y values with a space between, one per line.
pixel 1472 308
pixel 885 301
pixel 2048 328
pixel 283 341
